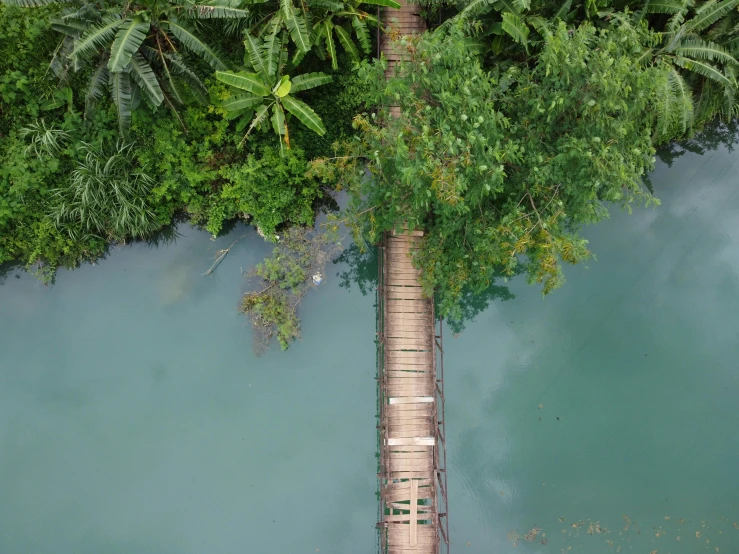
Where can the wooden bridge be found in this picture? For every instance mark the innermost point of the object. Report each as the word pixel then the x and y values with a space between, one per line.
pixel 410 371
pixel 412 469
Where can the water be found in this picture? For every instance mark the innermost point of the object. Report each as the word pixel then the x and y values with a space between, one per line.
pixel 134 417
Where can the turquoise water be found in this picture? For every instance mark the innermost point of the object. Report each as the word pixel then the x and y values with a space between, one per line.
pixel 134 417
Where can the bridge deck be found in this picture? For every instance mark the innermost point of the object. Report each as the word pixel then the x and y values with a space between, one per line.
pixel 410 457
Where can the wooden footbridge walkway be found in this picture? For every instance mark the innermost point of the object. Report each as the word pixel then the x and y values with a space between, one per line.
pixel 412 468
pixel 411 407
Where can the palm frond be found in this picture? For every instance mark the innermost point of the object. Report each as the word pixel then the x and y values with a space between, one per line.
pixel 128 39
pixel 328 35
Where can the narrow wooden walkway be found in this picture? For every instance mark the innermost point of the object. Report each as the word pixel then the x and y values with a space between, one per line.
pixel 412 469
pixel 412 458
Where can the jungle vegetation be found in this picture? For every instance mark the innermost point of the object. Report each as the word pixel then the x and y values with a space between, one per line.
pixel 520 122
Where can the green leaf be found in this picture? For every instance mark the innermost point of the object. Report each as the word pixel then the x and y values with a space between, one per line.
pixel 346 42
pixel 287 9
pixel 308 81
pixel 305 114
pixel 128 39
pixel 476 46
pixel 709 13
pixel 29 3
pixel 562 11
pixel 194 44
pixel 97 38
pixel 244 121
pixel 241 102
pixel 272 49
pixel 278 119
pixel 386 3
pixel 97 86
pixel 282 88
pixel 216 10
pixel 298 30
pixel 144 77
pixel 363 36
pixel 256 55
pixel 704 50
pixel 329 5
pixel 258 118
pixel 330 46
pixel 663 6
pixel 702 68
pixel 120 90
pixel 242 80
pixel 516 28
pixel 185 74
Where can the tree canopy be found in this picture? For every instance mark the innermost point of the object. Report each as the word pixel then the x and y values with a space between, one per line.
pixel 502 168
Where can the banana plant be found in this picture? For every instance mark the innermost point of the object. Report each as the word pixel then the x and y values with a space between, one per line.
pixel 268 90
pixel 320 24
pixel 340 22
pixel 133 49
pixel 699 50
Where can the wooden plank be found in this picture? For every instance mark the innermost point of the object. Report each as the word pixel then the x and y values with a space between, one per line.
pixel 412 441
pixel 411 400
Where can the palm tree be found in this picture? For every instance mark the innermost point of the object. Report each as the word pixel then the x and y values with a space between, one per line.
pixel 133 49
pixel 268 88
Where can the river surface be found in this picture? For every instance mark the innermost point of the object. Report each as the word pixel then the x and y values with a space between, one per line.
pixel 135 418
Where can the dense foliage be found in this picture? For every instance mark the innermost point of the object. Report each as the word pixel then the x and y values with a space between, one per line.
pixel 520 121
pixel 69 184
pixel 496 165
